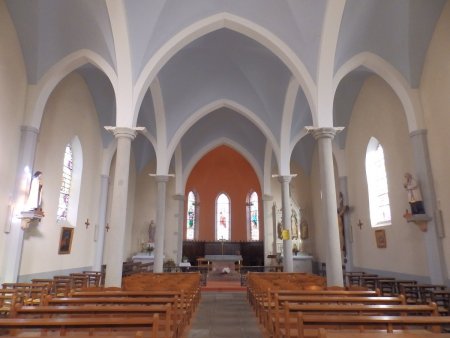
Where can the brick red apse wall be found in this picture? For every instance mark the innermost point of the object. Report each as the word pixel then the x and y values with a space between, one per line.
pixel 223 170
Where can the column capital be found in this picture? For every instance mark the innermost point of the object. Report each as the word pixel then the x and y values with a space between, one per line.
pixel 324 132
pixel 29 129
pixel 284 178
pixel 178 197
pixel 418 132
pixel 125 132
pixel 266 197
pixel 161 178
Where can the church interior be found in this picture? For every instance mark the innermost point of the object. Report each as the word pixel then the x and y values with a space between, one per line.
pixel 303 136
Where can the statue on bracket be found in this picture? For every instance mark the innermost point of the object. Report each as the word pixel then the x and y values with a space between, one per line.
pixel 414 194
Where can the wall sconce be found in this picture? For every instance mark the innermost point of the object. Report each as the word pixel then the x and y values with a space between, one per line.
pixel 107 227
pixel 87 223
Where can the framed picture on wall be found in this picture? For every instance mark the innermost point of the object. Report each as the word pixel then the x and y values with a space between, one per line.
pixel 380 237
pixel 65 241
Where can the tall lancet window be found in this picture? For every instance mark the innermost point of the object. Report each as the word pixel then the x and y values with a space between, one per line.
pixel 380 210
pixel 223 218
pixel 64 191
pixel 191 217
pixel 253 219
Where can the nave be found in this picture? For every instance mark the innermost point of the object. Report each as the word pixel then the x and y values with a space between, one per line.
pixel 176 305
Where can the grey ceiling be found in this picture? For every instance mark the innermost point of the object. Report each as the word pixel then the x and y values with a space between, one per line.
pixel 224 64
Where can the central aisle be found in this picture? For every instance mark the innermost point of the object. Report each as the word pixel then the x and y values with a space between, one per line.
pixel 224 314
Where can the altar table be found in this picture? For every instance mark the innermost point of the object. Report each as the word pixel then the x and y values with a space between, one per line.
pixel 219 262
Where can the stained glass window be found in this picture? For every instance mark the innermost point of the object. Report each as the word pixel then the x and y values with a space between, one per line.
pixel 380 210
pixel 223 218
pixel 64 192
pixel 253 221
pixel 191 218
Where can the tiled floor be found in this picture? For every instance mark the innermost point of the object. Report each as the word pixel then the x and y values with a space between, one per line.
pixel 224 315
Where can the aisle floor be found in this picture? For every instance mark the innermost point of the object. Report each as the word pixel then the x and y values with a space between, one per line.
pixel 224 314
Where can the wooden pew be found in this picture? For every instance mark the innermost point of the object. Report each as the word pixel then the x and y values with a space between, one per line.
pixel 167 320
pixel 309 324
pixel 182 318
pixel 7 301
pixel 128 325
pixel 282 323
pixel 324 334
pixel 265 306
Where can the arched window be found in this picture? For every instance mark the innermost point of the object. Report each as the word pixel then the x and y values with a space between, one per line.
pixel 223 218
pixel 69 192
pixel 253 219
pixel 64 191
pixel 380 210
pixel 191 217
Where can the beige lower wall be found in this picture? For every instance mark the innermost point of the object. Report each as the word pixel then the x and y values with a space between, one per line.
pixel 12 98
pixel 378 113
pixel 69 112
pixel 435 89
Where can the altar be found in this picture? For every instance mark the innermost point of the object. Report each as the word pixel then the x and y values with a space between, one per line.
pixel 220 262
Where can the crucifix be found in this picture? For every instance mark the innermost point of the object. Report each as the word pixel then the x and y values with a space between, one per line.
pixel 341 213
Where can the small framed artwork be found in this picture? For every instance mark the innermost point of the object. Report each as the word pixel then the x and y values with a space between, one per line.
pixel 65 241
pixel 380 237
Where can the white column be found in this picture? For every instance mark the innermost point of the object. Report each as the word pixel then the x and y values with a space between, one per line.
pixel 268 229
pixel 14 236
pixel 324 136
pixel 181 215
pixel 435 253
pixel 116 234
pixel 160 222
pixel 98 259
pixel 288 263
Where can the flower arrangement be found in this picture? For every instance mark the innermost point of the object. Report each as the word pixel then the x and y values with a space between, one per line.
pixel 295 249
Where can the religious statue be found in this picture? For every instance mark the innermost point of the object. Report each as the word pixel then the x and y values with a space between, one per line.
pixel 280 230
pixel 34 200
pixel 342 209
pixel 151 232
pixel 304 231
pixel 294 224
pixel 414 195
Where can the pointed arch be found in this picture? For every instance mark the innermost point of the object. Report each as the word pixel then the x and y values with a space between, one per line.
pixel 389 74
pixel 38 95
pixel 230 143
pixel 209 108
pixel 213 23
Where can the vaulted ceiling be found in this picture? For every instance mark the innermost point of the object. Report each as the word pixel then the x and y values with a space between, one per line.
pixel 227 85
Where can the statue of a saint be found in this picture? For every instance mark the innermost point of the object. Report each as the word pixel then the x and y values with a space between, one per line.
pixel 294 224
pixel 151 232
pixel 414 195
pixel 34 200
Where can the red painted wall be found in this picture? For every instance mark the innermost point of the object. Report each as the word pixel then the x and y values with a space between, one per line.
pixel 224 170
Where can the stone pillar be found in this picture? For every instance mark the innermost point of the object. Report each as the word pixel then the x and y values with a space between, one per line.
pixel 181 218
pixel 116 235
pixel 268 229
pixel 435 253
pixel 98 259
pixel 324 136
pixel 160 222
pixel 288 263
pixel 14 234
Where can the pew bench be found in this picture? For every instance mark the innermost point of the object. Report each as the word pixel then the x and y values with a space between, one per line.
pixel 291 310
pixel 168 323
pixel 332 334
pixel 128 326
pixel 308 325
